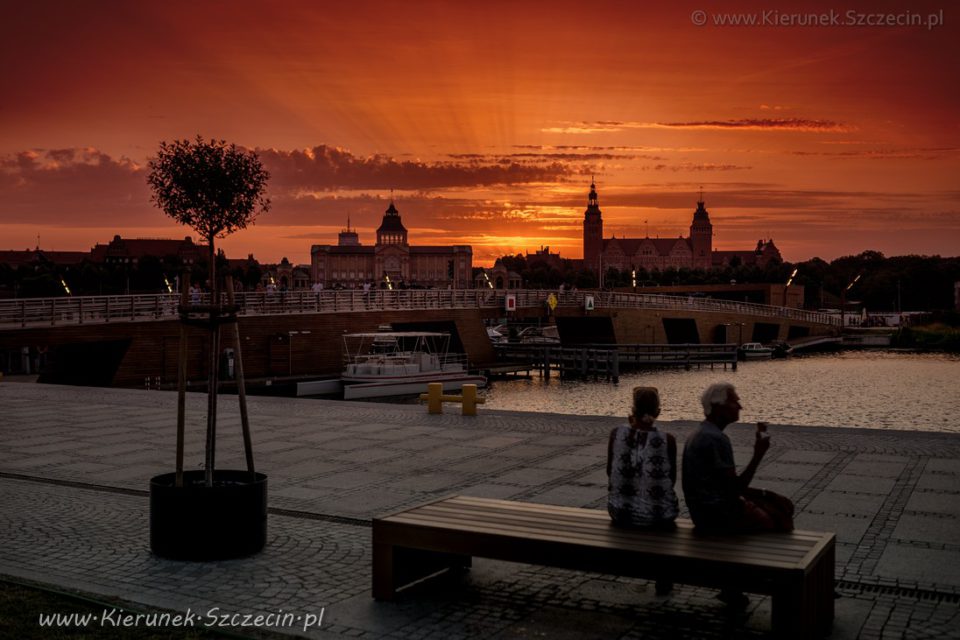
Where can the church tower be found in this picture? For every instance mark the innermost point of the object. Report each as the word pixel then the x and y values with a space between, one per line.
pixel 701 237
pixel 592 232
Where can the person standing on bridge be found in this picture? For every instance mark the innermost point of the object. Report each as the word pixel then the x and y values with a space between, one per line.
pixel 642 467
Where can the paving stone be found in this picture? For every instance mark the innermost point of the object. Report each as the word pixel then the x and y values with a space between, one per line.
pixel 568 495
pixel 795 455
pixel 939 481
pixel 927 566
pixel 846 503
pixel 431 482
pixel 944 465
pixel 349 480
pixel 497 491
pixel 848 529
pixel 570 462
pixel 862 484
pixel 530 477
pixel 935 502
pixel 929 528
pixel 866 467
pixel 497 442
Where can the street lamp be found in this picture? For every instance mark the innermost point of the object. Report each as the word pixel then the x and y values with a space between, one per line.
pixel 739 326
pixel 787 286
pixel 843 300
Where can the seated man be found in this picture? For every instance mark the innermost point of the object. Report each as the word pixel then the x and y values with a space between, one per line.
pixel 720 501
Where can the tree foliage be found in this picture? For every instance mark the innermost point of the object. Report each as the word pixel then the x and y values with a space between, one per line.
pixel 210 186
pixel 911 283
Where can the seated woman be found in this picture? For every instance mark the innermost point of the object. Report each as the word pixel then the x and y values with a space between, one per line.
pixel 642 467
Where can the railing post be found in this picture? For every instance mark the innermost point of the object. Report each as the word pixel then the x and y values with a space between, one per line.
pixel 53 311
pixel 106 309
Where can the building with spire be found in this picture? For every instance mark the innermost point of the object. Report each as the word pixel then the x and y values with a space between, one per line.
pixel 692 252
pixel 392 262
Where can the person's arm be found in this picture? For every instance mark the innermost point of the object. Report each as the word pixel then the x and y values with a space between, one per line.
pixel 760 447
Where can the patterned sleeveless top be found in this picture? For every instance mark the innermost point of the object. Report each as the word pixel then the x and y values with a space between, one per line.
pixel 640 491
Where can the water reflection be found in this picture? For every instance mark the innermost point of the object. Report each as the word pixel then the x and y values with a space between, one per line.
pixel 873 389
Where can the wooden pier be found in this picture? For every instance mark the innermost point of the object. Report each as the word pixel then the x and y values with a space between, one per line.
pixel 607 360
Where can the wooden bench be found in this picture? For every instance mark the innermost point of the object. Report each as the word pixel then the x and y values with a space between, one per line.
pixel 796 568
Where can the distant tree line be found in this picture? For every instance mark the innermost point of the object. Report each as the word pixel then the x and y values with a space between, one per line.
pixel 150 274
pixel 908 283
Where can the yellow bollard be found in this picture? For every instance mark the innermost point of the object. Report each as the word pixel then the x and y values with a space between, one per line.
pixel 434 397
pixel 470 400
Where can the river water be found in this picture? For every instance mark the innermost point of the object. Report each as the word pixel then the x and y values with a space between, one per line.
pixel 865 389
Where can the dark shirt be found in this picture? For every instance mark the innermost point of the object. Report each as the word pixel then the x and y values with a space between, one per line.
pixel 709 488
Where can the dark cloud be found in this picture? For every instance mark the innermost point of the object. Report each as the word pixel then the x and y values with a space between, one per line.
pixel 748 124
pixel 325 168
pixel 697 166
pixel 919 153
pixel 761 124
pixel 547 148
pixel 90 188
pixel 74 187
pixel 527 157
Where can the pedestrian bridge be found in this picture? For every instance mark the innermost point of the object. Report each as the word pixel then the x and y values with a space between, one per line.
pixel 126 340
pixel 79 310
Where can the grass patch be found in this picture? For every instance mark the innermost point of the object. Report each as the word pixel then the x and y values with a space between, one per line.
pixel 939 337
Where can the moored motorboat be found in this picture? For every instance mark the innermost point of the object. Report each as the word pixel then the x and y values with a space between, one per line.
pixel 781 349
pixel 755 351
pixel 384 364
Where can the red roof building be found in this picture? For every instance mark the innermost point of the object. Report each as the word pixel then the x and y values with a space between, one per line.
pixel 131 250
pixel 36 256
pixel 693 252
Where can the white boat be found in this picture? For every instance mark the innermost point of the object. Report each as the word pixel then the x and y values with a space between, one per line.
pixel 547 334
pixel 495 334
pixel 396 363
pixel 755 351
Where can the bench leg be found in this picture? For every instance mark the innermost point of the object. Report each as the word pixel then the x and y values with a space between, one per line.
pixel 397 567
pixel 794 611
pixel 825 589
pixel 384 587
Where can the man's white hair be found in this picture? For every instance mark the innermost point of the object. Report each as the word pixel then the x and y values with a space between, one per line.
pixel 715 394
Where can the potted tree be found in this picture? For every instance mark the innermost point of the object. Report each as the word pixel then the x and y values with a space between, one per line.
pixel 212 514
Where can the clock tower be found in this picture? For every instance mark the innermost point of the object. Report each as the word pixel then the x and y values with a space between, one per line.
pixel 592 231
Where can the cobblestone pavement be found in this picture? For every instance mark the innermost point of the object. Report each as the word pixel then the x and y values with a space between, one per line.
pixel 75 465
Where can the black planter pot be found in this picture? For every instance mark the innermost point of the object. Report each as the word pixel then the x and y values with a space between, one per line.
pixel 195 522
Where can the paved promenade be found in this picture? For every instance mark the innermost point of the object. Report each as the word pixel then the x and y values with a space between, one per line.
pixel 75 465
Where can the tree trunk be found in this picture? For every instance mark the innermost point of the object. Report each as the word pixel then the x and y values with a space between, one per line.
pixel 214 371
pixel 182 373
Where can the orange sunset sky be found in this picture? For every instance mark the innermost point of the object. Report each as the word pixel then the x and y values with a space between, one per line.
pixel 487 119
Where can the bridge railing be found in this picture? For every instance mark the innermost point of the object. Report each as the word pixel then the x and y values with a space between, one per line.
pixel 604 299
pixel 32 312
